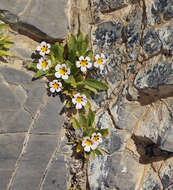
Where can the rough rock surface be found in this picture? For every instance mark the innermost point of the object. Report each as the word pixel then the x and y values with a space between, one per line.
pixel 137 38
pixel 41 19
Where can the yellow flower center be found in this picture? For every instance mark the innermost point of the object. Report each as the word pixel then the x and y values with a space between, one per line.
pixel 96 138
pixel 44 48
pixel 88 142
pixel 99 61
pixel 44 64
pixel 79 99
pixel 84 63
pixel 55 85
pixel 63 71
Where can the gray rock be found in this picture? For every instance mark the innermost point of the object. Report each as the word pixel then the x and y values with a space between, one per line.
pixel 166 35
pixel 115 140
pixel 129 172
pixel 107 34
pixel 102 172
pixel 151 42
pixel 158 9
pixel 126 113
pixel 50 120
pixel 156 79
pixel 10 149
pixel 14 7
pixel 8 100
pixel 57 175
pixel 33 163
pixel 20 121
pixel 166 174
pixel 151 182
pixel 4 178
pixel 41 20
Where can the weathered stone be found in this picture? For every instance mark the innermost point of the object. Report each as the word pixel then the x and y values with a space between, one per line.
pixel 102 172
pixel 129 172
pixel 50 120
pixel 166 35
pixel 8 101
pixel 35 18
pixel 34 162
pixel 116 139
pixel 107 34
pixel 4 178
pixel 151 182
pixel 156 79
pixel 158 9
pixel 14 7
pixel 166 174
pixel 151 42
pixel 126 113
pixel 57 175
pixel 11 146
pixel 19 121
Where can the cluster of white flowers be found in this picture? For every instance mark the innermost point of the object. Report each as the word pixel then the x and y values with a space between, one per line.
pixel 62 71
pixel 92 143
pixel 43 49
pixel 84 63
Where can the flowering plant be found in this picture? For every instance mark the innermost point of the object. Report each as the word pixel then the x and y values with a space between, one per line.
pixel 68 69
pixel 5 42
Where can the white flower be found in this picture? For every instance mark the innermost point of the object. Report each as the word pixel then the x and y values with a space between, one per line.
pixel 43 48
pixel 62 71
pixel 84 63
pixel 79 100
pixel 55 86
pixel 88 144
pixel 97 138
pixel 100 60
pixel 43 64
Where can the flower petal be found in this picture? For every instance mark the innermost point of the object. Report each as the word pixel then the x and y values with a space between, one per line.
pixel 96 64
pixel 42 53
pixel 48 45
pixel 81 58
pixel 58 66
pixel 87 148
pixel 78 64
pixel 97 56
pixel 83 69
pixel 74 100
pixel 78 106
pixel 43 43
pixel 57 75
pixel 94 146
pixel 89 65
pixel 52 90
pixel 39 66
pixel 87 58
pixel 64 77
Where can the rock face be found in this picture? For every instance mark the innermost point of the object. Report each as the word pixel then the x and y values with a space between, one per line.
pixel 44 20
pixel 136 37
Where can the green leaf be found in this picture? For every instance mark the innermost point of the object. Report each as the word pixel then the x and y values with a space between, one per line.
pixel 75 123
pixel 72 47
pixel 32 66
pixel 91 89
pixel 91 117
pixel 86 155
pixel 93 155
pixel 104 132
pixel 96 84
pixel 3 26
pixel 40 73
pixel 88 105
pixel 90 131
pixel 58 50
pixel 3 52
pixel 82 121
pixel 98 152
pixel 71 80
pixel 68 104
